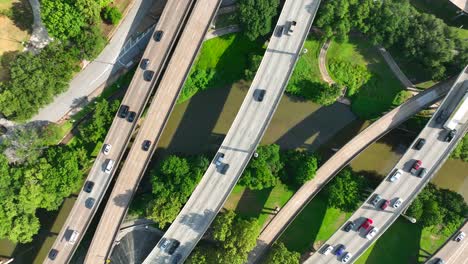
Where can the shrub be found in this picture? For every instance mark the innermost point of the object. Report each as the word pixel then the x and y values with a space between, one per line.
pixel 111 14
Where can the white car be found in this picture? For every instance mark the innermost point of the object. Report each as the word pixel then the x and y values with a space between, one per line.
pixel 327 250
pixel 397 203
pixel 372 233
pixel 396 175
pixel 460 237
pixel 106 149
pixel 220 159
pixel 109 166
pixel 346 257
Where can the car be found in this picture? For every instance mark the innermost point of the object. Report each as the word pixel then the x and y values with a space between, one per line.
pixel 371 234
pixel 131 117
pixel 224 168
pixel 441 117
pixel 340 250
pixel 396 175
pixel 416 165
pixel 349 226
pixel 88 187
pixel 367 224
pixel 422 172
pixel 259 94
pixel 89 203
pixel 144 63
pixel 346 257
pixel 439 261
pixel 419 144
pixel 106 148
pixel 73 237
pixel 219 159
pixel 385 204
pixel 376 200
pixel 450 135
pixel 279 30
pixel 123 111
pixel 176 259
pixel 173 247
pixel 164 244
pixel 53 253
pixel 460 236
pixel 327 250
pixel 292 25
pixel 148 75
pixel 109 166
pixel 397 203
pixel 146 145
pixel 158 35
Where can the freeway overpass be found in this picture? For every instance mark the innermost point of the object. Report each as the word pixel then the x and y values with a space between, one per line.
pixel 339 160
pixel 119 133
pixel 156 118
pixel 453 252
pixel 245 133
pixel 433 154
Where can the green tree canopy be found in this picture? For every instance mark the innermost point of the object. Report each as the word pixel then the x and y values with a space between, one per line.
pixel 299 167
pixel 256 16
pixel 279 254
pixel 262 171
pixel 344 191
pixel 62 19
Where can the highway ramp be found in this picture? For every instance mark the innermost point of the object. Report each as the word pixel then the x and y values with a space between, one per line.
pixel 245 133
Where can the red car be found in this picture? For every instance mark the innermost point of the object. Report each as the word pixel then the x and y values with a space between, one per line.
pixel 385 204
pixel 367 224
pixel 416 165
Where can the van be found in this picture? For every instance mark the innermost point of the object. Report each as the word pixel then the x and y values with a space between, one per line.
pixel 109 166
pixel 73 237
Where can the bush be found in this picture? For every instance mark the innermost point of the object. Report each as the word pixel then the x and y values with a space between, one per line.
pixel 461 151
pixel 353 76
pixel 198 80
pixel 254 63
pixel 111 14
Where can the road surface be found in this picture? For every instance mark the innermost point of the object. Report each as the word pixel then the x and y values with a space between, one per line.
pixel 339 160
pixel 432 155
pixel 156 118
pixel 245 133
pixel 453 252
pixel 120 131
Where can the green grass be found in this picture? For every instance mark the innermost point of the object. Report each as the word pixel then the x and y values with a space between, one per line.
pixel 377 95
pixel 307 67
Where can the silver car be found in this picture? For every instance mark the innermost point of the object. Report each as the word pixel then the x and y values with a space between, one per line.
pixel 397 203
pixel 346 257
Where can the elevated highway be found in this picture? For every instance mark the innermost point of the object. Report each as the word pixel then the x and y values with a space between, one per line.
pixel 432 155
pixel 342 158
pixel 120 132
pixel 245 133
pixel 151 129
pixel 452 252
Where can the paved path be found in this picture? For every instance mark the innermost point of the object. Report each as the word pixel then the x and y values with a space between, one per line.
pixel 323 63
pixel 39 37
pixel 338 161
pixel 396 69
pixel 100 70
pixel 222 31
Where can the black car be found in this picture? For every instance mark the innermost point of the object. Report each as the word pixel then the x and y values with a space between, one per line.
pixel 123 111
pixel 422 172
pixel 419 144
pixel 53 254
pixel 279 31
pixel 259 94
pixel 172 248
pixel 144 63
pixel 158 35
pixel 148 75
pixel 176 259
pixel 349 226
pixel 88 187
pixel 131 116
pixel 89 203
pixel 146 145
pixel 450 135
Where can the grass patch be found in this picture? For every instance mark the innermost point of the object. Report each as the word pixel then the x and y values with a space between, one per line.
pixel 307 66
pixel 227 19
pixel 377 94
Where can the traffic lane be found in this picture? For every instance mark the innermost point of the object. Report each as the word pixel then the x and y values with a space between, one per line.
pixel 453 251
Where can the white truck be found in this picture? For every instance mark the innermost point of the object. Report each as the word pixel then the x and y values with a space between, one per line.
pixel 459 115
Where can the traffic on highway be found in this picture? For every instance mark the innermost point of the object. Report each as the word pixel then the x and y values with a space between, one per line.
pixel 414 170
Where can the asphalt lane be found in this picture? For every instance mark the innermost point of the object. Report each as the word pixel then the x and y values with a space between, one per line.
pixel 119 133
pixel 157 115
pixel 244 135
pixel 453 252
pixel 432 155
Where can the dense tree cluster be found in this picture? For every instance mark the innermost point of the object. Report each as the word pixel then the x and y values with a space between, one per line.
pixel 262 171
pixel 461 151
pixel 346 190
pixel 256 16
pixel 279 254
pixel 439 207
pixel 235 237
pixel 299 167
pixel 173 181
pixel 421 37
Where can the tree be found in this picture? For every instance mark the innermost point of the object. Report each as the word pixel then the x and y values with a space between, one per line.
pixel 24 144
pixel 96 129
pixel 432 214
pixel 89 9
pixel 90 42
pixel 256 16
pixel 279 254
pixel 62 19
pixel 222 225
pixel 299 167
pixel 262 172
pixel 344 191
pixel 111 14
pixel 254 63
